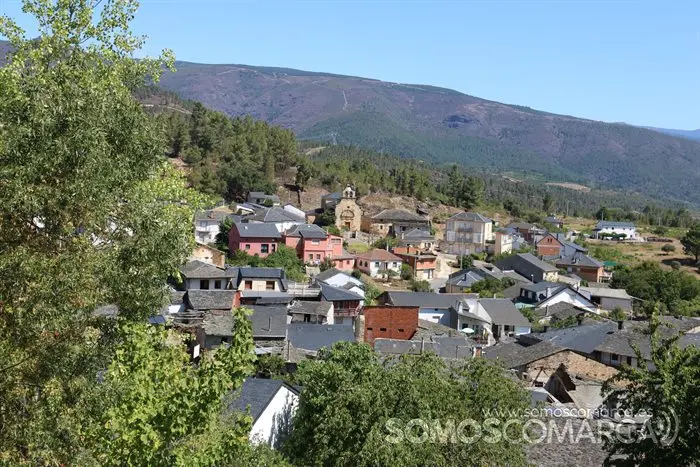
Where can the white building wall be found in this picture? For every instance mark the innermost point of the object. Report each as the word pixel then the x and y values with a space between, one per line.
pixel 435 315
pixel 281 408
pixel 569 296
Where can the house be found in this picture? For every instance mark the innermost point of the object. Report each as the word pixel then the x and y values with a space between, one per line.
pixel 377 262
pixel 389 322
pixel 255 239
pixel 559 312
pixel 394 222
pixel 582 265
pixel 433 307
pixel 206 223
pixel 269 324
pixel 528 266
pixel 462 281
pixel 271 404
pixel 429 337
pixel 346 304
pixel 554 245
pixel 348 214
pixel 262 285
pixel 423 263
pixel 306 339
pixel 527 230
pixel 609 229
pixel 543 294
pixel 209 254
pixel 608 299
pixel 505 318
pixel 313 244
pixel 554 221
pixel 282 219
pixel 466 233
pixel 331 200
pixel 504 242
pixel 263 199
pixel 342 280
pixel 311 312
pixel 197 274
pixel 417 238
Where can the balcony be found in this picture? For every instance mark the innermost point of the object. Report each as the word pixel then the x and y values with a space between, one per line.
pixel 346 312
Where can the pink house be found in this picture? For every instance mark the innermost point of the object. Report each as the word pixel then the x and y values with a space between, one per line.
pixel 254 239
pixel 314 245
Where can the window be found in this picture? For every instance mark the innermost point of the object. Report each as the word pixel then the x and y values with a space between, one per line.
pixel 393 265
pixel 217 284
pixel 247 246
pixel 269 285
pixel 264 248
pixel 273 247
pixel 311 256
pixel 400 329
pixel 369 329
pixel 248 285
pixel 307 318
pixel 204 284
pixel 347 262
pixel 629 361
pixel 614 357
pixel 382 329
pixel 318 255
pixel 315 242
pixel 376 264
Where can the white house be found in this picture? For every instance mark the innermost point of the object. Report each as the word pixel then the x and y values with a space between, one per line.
pixel 206 224
pixel 272 404
pixel 616 228
pixel 376 262
pixel 342 280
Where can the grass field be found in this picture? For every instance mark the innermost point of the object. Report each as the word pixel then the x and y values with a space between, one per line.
pixel 634 253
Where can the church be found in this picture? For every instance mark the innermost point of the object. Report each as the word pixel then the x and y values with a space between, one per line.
pixel 348 214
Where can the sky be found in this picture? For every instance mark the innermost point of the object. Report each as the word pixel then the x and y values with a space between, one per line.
pixel 619 61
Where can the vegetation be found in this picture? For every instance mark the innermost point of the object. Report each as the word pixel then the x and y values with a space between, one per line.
pixel 678 292
pixel 352 402
pixel 420 286
pixel 94 215
pixel 490 287
pixel 668 248
pixel 691 242
pixel 670 394
pixel 284 258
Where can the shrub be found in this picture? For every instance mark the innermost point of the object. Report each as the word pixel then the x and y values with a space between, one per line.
pixel 406 272
pixel 420 286
pixel 668 248
pixel 676 265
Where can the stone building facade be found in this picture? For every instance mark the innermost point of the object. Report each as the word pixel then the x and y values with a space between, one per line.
pixel 348 214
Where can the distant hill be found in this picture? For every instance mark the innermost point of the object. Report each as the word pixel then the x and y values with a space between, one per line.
pixel 4 49
pixel 442 125
pixel 689 134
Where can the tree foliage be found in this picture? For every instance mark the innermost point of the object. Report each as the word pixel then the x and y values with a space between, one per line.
pixel 284 258
pixel 691 242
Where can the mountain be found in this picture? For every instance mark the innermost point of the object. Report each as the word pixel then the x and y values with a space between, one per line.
pixel 689 134
pixel 442 125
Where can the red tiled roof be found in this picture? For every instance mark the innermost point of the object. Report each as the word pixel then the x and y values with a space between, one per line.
pixel 379 255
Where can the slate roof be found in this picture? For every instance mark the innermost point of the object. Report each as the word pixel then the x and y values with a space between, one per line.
pixel 256 394
pixel 310 308
pixel 466 277
pixel 257 230
pixel 553 220
pixel 560 311
pixel 425 299
pixel 521 226
pixel 310 336
pixel 445 347
pixel 248 272
pixel 393 215
pixel 606 292
pixel 379 255
pixel 210 299
pixel 263 195
pixel 585 338
pixel 218 325
pixel 275 214
pixel 514 354
pixel 579 259
pixel 335 195
pixel 614 225
pixel 311 231
pixel 503 312
pixel 200 270
pixel 323 276
pixel 470 216
pixel 417 234
pixel 541 286
pixel 525 264
pixel 269 321
pixel 213 214
pixel 335 294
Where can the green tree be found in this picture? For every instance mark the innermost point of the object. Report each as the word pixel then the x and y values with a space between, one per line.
pixel 221 240
pixel 691 242
pixel 547 203
pixel 94 216
pixel 668 248
pixel 406 272
pixel 353 403
pixel 669 390
pixel 420 286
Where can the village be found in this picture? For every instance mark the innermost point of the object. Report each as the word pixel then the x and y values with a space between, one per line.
pixel 530 299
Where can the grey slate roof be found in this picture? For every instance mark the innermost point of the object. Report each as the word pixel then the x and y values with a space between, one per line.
pixel 560 311
pixel 256 394
pixel 213 214
pixel 553 220
pixel 417 234
pixel 470 216
pixel 503 312
pixel 218 325
pixel 585 338
pixel 393 215
pixel 263 195
pixel 269 321
pixel 200 270
pixel 334 294
pixel 310 308
pixel 307 231
pixel 310 336
pixel 468 276
pixel 257 230
pixel 579 259
pixel 514 354
pixel 521 226
pixel 425 299
pixel 334 195
pixel 541 286
pixel 273 215
pixel 202 300
pixel 248 272
pixel 614 225
pixel 445 347
pixel 525 264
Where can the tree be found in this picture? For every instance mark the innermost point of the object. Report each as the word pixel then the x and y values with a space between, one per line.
pixel 670 394
pixel 420 286
pixel 602 213
pixel 547 203
pixel 356 407
pixel 406 272
pixel 93 215
pixel 387 273
pixel 221 240
pixel 668 248
pixel 326 264
pixel 691 242
pixel 305 171
pixel 617 314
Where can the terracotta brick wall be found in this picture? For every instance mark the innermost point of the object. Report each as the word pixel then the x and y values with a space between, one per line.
pixel 390 322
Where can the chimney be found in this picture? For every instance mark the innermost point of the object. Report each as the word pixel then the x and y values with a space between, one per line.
pixel 269 323
pixel 620 325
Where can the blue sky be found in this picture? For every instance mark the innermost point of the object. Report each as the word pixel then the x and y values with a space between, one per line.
pixel 631 61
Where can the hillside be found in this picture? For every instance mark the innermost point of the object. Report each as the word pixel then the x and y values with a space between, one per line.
pixel 441 125
pixel 689 134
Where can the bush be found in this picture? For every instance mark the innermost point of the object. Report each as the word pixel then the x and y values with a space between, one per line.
pixel 617 314
pixel 406 272
pixel 420 286
pixel 676 265
pixel 385 242
pixel 668 248
pixel 660 230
